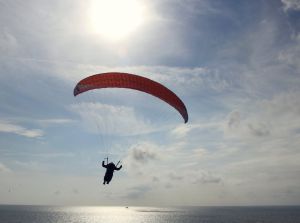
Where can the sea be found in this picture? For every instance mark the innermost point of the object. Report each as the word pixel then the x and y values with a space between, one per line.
pixel 53 214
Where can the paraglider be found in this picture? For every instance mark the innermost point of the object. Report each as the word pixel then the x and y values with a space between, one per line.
pixel 129 81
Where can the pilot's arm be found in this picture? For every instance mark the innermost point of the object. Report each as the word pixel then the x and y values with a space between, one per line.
pixel 118 168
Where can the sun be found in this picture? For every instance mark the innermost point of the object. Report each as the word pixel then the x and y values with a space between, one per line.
pixel 116 19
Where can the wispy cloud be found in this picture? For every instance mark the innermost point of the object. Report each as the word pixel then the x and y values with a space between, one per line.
pixel 55 121
pixel 54 155
pixel 8 127
pixel 111 119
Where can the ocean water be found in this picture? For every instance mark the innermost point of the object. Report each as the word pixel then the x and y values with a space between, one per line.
pixel 46 214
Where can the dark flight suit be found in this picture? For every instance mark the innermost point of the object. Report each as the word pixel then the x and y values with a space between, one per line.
pixel 110 168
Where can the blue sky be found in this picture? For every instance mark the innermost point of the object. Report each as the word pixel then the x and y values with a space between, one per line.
pixel 235 64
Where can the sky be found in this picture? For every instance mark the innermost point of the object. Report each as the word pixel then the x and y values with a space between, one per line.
pixel 235 64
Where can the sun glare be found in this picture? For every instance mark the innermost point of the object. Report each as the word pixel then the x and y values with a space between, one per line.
pixel 116 19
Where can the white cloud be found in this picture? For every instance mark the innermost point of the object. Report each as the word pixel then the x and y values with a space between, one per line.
pixel 181 130
pixel 290 56
pixel 55 121
pixel 111 119
pixel 247 127
pixel 274 117
pixel 199 152
pixel 281 112
pixel 146 162
pixel 28 165
pixel 205 177
pixel 142 153
pixel 291 4
pixel 191 79
pixel 4 169
pixel 20 130
pixel 234 120
pixel 8 42
pixel 54 155
pixel 137 192
pixel 175 176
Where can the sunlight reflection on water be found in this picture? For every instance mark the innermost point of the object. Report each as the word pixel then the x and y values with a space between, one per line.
pixel 43 214
pixel 96 214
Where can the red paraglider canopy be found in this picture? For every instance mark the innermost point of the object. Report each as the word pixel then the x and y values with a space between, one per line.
pixel 132 81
